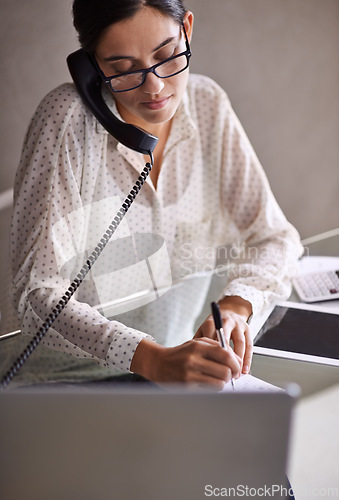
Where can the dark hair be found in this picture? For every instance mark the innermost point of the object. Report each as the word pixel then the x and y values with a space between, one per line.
pixel 91 17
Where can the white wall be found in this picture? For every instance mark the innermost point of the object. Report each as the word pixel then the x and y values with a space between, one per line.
pixel 35 37
pixel 277 59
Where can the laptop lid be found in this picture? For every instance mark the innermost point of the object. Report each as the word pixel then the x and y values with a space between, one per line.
pixel 142 444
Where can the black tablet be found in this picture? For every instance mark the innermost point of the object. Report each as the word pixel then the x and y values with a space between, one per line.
pixel 300 331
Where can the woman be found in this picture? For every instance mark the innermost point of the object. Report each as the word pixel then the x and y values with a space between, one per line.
pixel 206 192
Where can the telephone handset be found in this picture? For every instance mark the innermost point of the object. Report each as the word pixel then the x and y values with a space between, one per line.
pixel 88 83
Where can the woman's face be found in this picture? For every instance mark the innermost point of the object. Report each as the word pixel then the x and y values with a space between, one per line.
pixel 138 43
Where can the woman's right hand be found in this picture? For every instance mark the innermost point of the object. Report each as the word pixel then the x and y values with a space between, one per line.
pixel 200 361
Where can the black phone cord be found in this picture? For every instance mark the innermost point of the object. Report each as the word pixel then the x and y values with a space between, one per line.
pixel 13 370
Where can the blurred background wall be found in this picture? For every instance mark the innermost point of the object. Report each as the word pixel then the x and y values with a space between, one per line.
pixel 277 60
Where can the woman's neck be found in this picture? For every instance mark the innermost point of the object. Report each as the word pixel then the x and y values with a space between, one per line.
pixel 159 151
pixel 160 130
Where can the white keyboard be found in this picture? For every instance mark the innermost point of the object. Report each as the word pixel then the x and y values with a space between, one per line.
pixel 316 287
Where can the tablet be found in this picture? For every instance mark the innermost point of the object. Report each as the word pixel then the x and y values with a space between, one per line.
pixel 302 332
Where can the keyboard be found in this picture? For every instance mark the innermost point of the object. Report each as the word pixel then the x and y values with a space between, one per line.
pixel 316 287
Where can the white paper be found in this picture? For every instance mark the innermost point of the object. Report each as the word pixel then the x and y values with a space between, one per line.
pixel 248 383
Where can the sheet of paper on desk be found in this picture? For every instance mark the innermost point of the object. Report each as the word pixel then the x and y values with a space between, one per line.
pixel 248 383
pixel 314 264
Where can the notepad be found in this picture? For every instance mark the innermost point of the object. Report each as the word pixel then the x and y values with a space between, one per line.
pixel 248 383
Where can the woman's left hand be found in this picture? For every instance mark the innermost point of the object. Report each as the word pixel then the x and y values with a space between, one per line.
pixel 234 312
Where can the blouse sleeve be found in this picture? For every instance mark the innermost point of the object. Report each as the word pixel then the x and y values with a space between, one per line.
pixel 47 189
pixel 266 246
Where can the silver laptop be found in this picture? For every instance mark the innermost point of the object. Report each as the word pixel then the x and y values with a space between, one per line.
pixel 142 444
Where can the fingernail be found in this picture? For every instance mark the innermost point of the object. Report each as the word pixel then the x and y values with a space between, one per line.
pixel 246 369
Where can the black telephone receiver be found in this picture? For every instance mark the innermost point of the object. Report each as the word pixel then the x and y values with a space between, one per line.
pixel 88 83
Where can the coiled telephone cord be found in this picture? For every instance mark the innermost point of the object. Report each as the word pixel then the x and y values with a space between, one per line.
pixel 13 370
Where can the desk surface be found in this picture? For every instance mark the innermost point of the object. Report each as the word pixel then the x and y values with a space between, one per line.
pixel 314 450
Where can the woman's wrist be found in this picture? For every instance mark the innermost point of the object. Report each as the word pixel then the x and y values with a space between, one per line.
pixel 145 359
pixel 237 305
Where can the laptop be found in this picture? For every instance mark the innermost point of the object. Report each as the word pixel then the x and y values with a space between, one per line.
pixel 140 443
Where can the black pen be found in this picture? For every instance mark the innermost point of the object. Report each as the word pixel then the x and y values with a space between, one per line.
pixel 219 329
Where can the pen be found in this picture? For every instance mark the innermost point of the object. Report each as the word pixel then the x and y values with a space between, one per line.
pixel 219 329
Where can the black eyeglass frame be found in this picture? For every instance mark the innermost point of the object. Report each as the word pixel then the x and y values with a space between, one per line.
pixel 144 72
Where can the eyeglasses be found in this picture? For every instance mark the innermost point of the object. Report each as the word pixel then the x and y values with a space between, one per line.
pixel 133 79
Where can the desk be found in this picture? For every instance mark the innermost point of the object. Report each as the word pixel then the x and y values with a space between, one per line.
pixel 314 450
pixel 314 445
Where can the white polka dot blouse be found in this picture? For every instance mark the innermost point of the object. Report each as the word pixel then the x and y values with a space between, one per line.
pixel 211 227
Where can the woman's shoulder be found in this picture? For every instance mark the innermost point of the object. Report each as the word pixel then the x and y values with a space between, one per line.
pixel 58 106
pixel 201 86
pixel 207 102
pixel 62 96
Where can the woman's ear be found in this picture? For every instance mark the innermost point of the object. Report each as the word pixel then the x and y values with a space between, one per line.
pixel 188 23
